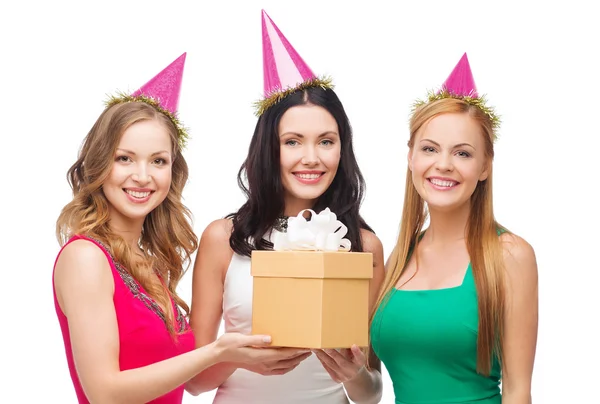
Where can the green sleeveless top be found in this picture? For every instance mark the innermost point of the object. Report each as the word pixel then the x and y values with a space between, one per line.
pixel 427 340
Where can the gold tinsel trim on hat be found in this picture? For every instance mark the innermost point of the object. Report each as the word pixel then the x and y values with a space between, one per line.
pixel 262 105
pixel 479 102
pixel 182 132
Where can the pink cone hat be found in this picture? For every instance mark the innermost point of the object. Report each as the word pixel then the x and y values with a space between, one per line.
pixel 460 82
pixel 165 87
pixel 283 67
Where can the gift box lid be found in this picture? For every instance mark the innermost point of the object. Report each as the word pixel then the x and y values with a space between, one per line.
pixel 312 264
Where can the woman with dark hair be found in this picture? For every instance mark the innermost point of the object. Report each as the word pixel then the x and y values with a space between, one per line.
pixel 339 187
pixel 300 157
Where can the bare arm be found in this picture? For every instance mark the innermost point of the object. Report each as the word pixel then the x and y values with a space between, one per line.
pixel 521 320
pixel 366 386
pixel 210 267
pixel 85 287
pixel 363 385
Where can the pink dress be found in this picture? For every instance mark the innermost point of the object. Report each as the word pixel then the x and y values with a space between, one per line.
pixel 143 335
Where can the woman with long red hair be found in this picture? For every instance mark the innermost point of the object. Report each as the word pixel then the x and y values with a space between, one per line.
pixel 457 312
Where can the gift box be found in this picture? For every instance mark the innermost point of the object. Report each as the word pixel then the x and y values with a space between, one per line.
pixel 305 295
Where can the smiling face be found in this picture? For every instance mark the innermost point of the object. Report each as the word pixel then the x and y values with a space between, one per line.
pixel 309 154
pixel 448 160
pixel 140 177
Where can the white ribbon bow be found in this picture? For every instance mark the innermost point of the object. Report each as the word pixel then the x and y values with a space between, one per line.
pixel 322 233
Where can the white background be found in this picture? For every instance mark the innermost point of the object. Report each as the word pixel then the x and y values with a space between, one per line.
pixel 537 63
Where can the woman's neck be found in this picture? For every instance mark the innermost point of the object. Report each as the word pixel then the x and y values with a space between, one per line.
pixel 129 232
pixel 292 208
pixel 447 226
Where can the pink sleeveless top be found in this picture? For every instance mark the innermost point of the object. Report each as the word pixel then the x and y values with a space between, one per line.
pixel 143 335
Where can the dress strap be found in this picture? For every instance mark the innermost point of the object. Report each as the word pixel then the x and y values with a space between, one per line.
pixel 135 287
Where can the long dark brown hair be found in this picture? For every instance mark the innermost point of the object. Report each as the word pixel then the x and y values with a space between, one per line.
pixel 260 177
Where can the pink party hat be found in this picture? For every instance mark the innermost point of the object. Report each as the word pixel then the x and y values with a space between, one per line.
pixel 460 82
pixel 461 85
pixel 282 66
pixel 284 71
pixel 162 92
pixel 165 86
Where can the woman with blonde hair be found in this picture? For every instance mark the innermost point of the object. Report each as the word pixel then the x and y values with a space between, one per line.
pixel 457 312
pixel 125 239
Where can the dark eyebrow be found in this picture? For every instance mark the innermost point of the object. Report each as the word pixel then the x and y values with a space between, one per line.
pixel 133 154
pixel 454 147
pixel 329 132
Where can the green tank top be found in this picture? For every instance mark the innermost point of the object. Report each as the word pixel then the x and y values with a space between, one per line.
pixel 427 340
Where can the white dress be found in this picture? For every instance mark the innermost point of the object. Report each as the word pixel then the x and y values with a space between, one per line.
pixel 308 383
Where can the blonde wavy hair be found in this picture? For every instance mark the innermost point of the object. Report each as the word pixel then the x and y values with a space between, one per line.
pixel 483 243
pixel 167 238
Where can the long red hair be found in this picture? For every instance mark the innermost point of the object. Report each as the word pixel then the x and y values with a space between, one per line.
pixel 483 243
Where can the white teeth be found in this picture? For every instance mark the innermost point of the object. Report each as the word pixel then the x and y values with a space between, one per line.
pixel 137 194
pixel 308 176
pixel 442 183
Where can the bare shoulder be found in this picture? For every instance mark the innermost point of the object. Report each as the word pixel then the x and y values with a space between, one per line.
pixel 519 258
pixel 371 242
pixel 214 252
pixel 82 270
pixel 78 255
pixel 218 232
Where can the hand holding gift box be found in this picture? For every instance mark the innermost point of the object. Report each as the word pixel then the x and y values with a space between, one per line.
pixel 312 291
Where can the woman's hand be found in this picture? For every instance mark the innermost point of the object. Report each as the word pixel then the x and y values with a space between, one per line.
pixel 279 366
pixel 344 365
pixel 252 352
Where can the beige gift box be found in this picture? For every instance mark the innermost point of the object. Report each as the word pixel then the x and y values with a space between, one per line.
pixel 312 299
